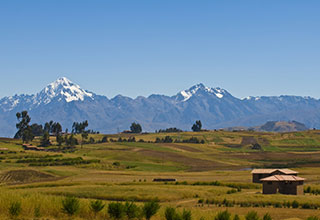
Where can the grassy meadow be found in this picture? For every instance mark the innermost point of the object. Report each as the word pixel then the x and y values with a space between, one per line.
pixel 211 176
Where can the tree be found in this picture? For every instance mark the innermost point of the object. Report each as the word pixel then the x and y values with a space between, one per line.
pixel 71 140
pixel 56 128
pixel 37 129
pixel 45 140
pixel 135 128
pixel 59 139
pixel 197 126
pixel 84 135
pixel 150 209
pixel 78 128
pixel 27 135
pixel 24 130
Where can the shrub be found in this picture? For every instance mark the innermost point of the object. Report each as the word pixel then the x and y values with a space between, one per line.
pixel 116 210
pixel 96 206
pixel 170 213
pixel 70 205
pixel 295 204
pixel 236 217
pixel 150 209
pixel 225 215
pixel 186 215
pixel 306 206
pixel 15 209
pixel 277 205
pixel 37 212
pixel 104 139
pixel 267 216
pixel 132 210
pixel 252 215
pixel 232 191
pixel 313 218
pixel 308 189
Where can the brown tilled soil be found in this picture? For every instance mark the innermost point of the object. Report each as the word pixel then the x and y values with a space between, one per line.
pixel 246 140
pixel 194 164
pixel 185 148
pixel 271 158
pixel 25 176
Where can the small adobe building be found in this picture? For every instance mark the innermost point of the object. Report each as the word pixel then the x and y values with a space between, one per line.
pixel 258 174
pixel 284 184
pixel 284 181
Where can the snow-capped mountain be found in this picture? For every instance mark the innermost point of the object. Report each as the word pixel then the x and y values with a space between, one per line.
pixel 62 89
pixel 199 89
pixel 66 102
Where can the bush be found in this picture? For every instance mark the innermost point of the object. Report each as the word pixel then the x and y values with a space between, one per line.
pixel 104 139
pixel 306 206
pixel 267 216
pixel 96 206
pixel 252 215
pixel 232 191
pixel 225 215
pixel 308 189
pixel 236 217
pixel 295 204
pixel 37 212
pixel 132 210
pixel 150 209
pixel 116 210
pixel 186 215
pixel 313 218
pixel 170 213
pixel 70 205
pixel 15 209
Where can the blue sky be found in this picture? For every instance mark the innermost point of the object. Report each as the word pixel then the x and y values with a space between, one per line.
pixel 249 47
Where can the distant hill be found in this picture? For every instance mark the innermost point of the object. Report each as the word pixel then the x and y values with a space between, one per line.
pixel 65 102
pixel 282 126
pixel 274 126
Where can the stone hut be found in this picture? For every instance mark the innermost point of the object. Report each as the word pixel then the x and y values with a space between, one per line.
pixel 284 184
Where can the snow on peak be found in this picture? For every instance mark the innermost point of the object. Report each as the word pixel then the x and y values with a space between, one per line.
pixel 63 87
pixel 187 94
pixel 256 98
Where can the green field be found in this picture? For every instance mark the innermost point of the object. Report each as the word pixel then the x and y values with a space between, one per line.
pixel 212 176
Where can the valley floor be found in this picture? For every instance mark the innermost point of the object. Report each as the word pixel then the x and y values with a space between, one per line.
pixel 212 176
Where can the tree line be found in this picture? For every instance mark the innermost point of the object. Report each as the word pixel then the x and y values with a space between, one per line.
pixel 27 132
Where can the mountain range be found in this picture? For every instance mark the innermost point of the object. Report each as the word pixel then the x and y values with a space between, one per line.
pixel 65 102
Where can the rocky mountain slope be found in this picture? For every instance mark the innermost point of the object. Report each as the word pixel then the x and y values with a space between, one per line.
pixel 66 102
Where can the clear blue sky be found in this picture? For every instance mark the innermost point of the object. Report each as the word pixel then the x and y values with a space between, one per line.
pixel 249 47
